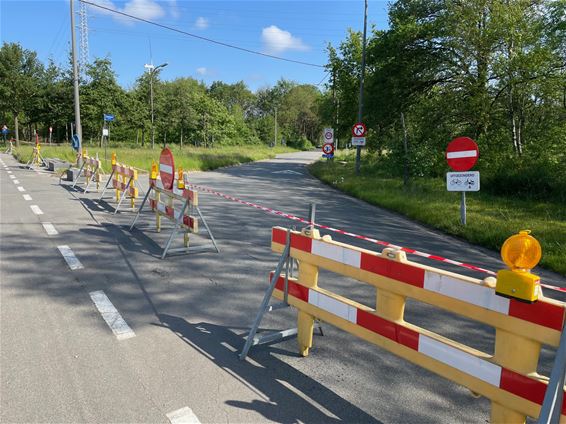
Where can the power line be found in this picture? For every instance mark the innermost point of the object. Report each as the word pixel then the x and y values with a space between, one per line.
pixel 202 38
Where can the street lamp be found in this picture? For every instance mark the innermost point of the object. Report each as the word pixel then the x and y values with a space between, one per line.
pixel 152 70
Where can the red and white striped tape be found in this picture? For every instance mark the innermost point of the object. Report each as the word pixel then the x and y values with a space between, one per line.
pixel 357 236
pixel 496 375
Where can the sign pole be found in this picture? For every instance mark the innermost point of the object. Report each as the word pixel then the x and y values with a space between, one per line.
pixel 463 208
pixel 361 100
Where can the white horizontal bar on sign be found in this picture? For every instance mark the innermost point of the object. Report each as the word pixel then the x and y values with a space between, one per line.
pixel 183 416
pixel 334 306
pixel 110 314
pixel 456 358
pixel 475 294
pixel 70 257
pixel 166 168
pixel 337 253
pixel 462 154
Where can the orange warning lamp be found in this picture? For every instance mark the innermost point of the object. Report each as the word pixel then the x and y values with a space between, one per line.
pixel 521 253
pixel 153 170
pixel 180 180
pixel 113 158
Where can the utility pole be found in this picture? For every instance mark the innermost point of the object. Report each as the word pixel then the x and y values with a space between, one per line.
pixel 335 107
pixel 78 128
pixel 152 70
pixel 361 100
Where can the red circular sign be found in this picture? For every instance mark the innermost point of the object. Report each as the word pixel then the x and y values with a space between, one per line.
pixel 328 149
pixel 462 154
pixel 359 130
pixel 167 168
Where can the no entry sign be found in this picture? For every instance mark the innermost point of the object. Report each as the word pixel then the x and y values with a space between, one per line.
pixel 167 168
pixel 359 130
pixel 462 154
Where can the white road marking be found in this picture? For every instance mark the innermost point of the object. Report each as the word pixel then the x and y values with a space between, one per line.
pixel 27 197
pixel 49 228
pixel 183 416
pixel 36 210
pixel 70 257
pixel 16 181
pixel 111 315
pixel 11 176
pixel 20 188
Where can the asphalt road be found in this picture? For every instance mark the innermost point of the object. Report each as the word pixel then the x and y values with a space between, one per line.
pixel 188 314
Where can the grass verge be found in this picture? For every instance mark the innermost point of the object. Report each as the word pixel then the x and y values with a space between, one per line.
pixel 490 220
pixel 189 158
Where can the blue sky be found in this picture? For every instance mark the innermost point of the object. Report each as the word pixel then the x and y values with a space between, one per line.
pixel 297 30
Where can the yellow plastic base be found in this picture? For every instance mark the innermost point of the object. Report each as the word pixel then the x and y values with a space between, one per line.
pixel 520 285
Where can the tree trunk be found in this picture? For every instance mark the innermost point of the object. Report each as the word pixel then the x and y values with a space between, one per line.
pixel 181 137
pixel 143 137
pixel 17 131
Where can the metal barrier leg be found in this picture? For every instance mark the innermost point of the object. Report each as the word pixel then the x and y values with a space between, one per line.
pixel 265 303
pixel 106 186
pixel 208 230
pixel 140 209
pixel 123 195
pixel 78 175
pixel 178 222
pixel 554 396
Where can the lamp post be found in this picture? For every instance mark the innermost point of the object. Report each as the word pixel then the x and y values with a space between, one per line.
pixel 152 70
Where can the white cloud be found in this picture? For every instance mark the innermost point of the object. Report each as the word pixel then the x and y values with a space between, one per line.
pixel 202 71
pixel 201 23
pixel 145 9
pixel 276 40
pixel 174 9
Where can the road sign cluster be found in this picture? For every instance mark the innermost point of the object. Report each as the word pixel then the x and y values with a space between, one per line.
pixel 328 146
pixel 359 131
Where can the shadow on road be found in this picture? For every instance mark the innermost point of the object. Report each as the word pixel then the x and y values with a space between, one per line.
pixel 291 395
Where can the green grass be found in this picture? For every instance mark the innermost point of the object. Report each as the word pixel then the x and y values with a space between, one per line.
pixel 189 158
pixel 490 219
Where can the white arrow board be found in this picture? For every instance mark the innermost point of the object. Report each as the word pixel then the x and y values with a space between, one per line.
pixel 463 181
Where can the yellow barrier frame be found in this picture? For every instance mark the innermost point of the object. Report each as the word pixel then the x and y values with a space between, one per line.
pixel 518 340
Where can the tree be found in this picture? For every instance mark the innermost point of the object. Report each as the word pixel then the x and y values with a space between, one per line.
pixel 20 71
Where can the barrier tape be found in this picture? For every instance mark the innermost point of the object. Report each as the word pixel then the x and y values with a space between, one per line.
pixel 357 236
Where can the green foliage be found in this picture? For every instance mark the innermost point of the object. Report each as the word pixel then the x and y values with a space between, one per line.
pixel 493 70
pixel 491 218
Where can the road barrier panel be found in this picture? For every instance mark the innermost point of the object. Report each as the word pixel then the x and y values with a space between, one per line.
pixel 10 147
pixel 177 204
pixel 125 182
pixel 90 169
pixel 36 158
pixel 508 378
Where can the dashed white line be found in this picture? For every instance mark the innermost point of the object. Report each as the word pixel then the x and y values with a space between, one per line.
pixel 111 315
pixel 16 181
pixel 183 416
pixel 70 257
pixel 36 210
pixel 20 188
pixel 27 197
pixel 12 176
pixel 49 228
